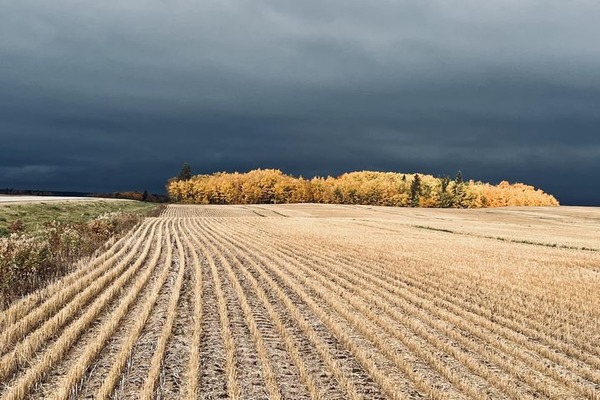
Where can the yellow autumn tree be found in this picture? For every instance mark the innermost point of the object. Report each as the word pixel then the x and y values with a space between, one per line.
pixel 262 186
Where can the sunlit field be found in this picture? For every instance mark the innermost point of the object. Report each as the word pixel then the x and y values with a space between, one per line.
pixel 314 301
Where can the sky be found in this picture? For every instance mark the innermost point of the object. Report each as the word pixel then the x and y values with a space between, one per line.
pixel 117 95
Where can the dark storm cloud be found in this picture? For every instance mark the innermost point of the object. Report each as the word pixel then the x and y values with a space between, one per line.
pixel 117 95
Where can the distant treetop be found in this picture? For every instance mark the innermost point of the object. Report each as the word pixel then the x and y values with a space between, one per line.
pixel 185 173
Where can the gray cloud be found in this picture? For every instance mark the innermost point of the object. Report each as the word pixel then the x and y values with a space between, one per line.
pixel 114 96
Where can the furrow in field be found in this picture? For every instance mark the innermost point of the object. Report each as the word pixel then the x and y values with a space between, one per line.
pixel 581 388
pixel 147 391
pixel 68 385
pixel 213 381
pixel 26 349
pixel 423 337
pixel 384 274
pixel 21 308
pixel 291 383
pixel 286 350
pixel 472 304
pixel 584 389
pixel 233 387
pixel 317 384
pixel 253 383
pixel 461 349
pixel 250 372
pixel 568 260
pixel 192 374
pixel 174 376
pixel 21 386
pixel 359 353
pixel 428 384
pixel 514 314
pixel 47 387
pixel 100 368
pixel 473 356
pixel 560 332
pixel 70 298
pixel 520 308
pixel 421 347
pixel 562 361
pixel 139 317
pixel 131 363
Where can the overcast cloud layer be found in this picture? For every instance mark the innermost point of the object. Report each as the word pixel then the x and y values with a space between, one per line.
pixel 117 95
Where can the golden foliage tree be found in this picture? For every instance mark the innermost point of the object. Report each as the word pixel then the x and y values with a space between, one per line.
pixel 263 186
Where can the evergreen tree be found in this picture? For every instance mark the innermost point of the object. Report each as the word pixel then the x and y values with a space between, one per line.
pixel 459 194
pixel 415 191
pixel 145 195
pixel 459 178
pixel 446 198
pixel 185 173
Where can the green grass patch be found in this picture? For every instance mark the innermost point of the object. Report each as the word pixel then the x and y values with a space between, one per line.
pixel 35 215
pixel 45 240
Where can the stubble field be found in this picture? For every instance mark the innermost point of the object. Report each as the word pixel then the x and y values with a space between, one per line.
pixel 320 302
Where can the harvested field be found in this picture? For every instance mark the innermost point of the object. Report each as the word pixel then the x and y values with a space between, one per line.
pixel 320 302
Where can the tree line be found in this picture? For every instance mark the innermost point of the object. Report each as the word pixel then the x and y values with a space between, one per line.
pixel 271 186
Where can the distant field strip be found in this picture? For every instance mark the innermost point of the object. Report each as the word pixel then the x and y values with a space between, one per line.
pixel 319 302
